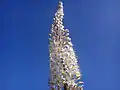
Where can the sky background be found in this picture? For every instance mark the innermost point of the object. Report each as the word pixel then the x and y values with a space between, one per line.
pixel 95 31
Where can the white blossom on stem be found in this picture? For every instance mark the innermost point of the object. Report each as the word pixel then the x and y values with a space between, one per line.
pixel 63 62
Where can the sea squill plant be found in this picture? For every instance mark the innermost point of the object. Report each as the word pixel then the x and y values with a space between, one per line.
pixel 64 69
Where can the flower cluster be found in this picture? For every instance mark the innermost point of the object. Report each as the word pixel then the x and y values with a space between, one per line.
pixel 63 62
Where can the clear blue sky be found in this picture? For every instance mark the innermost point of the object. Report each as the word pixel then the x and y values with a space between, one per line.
pixel 95 30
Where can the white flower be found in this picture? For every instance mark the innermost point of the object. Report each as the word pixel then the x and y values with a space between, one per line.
pixel 63 62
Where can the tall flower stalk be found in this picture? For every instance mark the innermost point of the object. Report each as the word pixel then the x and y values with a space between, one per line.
pixel 64 69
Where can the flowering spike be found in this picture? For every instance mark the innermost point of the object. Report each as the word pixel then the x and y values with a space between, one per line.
pixel 64 67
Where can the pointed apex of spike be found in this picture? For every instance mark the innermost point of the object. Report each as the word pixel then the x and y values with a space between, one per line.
pixel 60 3
pixel 60 10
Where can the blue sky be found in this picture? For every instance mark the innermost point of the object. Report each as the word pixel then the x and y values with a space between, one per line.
pixel 95 30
